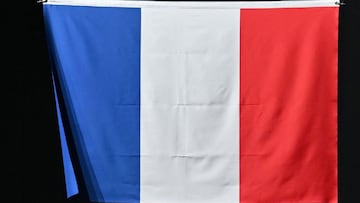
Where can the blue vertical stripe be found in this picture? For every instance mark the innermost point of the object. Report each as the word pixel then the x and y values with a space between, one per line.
pixel 97 58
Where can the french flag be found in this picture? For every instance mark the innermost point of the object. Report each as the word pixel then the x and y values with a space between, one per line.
pixel 196 102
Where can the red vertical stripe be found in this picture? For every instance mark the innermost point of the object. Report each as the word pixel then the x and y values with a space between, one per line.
pixel 288 116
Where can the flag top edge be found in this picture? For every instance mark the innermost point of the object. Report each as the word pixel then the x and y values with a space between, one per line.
pixel 195 4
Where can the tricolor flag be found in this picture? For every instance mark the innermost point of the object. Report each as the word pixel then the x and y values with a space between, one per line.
pixel 197 102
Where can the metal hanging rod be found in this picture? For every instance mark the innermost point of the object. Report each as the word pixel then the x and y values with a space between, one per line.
pixel 339 3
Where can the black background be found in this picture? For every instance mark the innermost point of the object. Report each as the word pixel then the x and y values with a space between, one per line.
pixel 33 156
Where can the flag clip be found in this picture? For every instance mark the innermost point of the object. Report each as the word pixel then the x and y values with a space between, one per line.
pixel 340 3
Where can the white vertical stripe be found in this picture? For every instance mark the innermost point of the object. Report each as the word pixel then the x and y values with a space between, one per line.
pixel 190 105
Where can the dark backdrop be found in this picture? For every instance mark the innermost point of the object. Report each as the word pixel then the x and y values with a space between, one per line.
pixel 33 157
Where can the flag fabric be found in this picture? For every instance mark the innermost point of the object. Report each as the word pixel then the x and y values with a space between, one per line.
pixel 197 102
